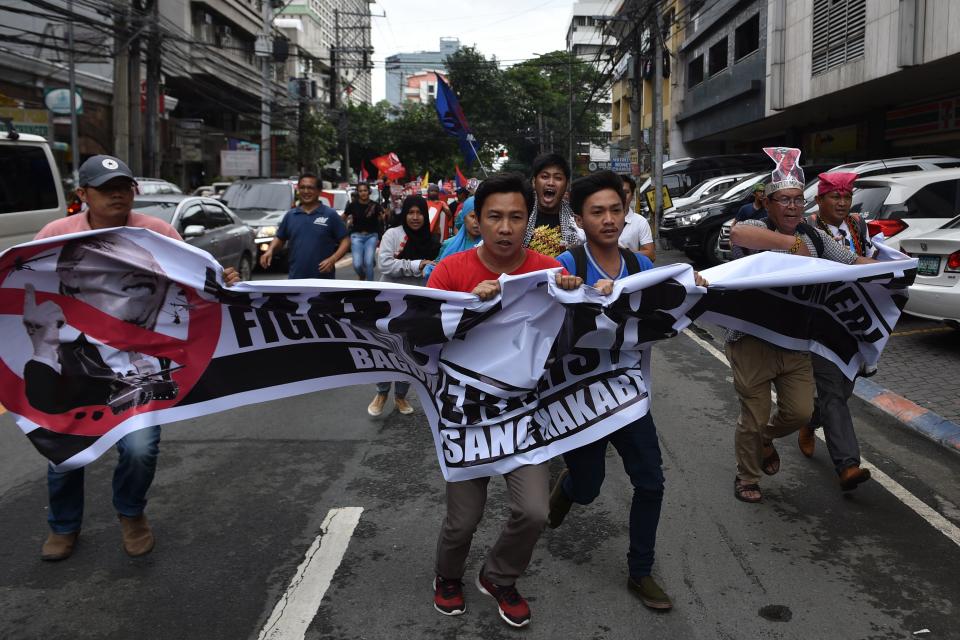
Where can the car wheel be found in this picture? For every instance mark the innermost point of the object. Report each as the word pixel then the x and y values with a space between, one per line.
pixel 245 268
pixel 711 249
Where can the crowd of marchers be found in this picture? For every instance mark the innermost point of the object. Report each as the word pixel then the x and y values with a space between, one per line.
pixel 512 224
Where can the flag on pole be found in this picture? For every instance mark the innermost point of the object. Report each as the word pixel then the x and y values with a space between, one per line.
pixel 461 180
pixel 364 176
pixel 389 166
pixel 453 120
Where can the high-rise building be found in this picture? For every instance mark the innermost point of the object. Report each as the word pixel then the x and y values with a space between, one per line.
pixel 587 41
pixel 401 66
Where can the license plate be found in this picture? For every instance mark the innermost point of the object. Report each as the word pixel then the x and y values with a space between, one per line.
pixel 928 265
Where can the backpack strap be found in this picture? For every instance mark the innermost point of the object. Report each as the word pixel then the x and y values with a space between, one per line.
pixel 630 259
pixel 579 254
pixel 814 236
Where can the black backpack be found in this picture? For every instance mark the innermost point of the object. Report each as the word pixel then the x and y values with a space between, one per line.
pixel 579 254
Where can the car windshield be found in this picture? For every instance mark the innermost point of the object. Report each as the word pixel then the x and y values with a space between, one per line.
pixel 741 187
pixel 264 196
pixel 162 210
pixel 868 200
pixel 696 187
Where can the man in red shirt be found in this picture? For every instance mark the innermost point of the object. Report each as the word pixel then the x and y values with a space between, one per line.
pixel 503 204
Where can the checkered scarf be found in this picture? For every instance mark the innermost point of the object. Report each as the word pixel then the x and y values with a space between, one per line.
pixel 568 229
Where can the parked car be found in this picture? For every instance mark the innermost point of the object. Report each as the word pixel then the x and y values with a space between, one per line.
pixel 906 205
pixel 155 186
pixel 706 188
pixel 936 292
pixel 31 194
pixel 696 228
pixel 206 224
pixel 909 164
pixel 885 166
pixel 679 176
pixel 261 203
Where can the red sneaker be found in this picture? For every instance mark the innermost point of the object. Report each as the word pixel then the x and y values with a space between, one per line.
pixel 448 596
pixel 513 607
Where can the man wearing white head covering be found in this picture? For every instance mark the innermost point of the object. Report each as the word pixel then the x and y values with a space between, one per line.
pixel 757 363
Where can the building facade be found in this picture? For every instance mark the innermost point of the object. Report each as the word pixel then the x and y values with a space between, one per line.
pixel 588 41
pixel 632 89
pixel 844 80
pixel 400 66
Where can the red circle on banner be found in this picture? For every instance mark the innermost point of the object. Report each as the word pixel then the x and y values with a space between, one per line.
pixel 193 355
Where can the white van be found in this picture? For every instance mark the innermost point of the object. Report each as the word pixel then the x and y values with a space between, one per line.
pixel 30 191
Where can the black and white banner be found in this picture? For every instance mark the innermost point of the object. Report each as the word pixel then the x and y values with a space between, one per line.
pixel 107 332
pixel 845 313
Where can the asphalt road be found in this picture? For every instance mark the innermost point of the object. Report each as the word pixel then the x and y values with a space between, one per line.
pixel 241 495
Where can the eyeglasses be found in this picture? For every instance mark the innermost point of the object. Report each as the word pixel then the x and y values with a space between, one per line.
pixel 785 201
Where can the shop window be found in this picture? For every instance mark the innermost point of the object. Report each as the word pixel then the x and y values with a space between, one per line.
pixel 746 38
pixel 695 71
pixel 839 29
pixel 718 57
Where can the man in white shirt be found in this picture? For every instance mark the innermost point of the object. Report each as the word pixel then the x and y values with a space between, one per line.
pixel 636 235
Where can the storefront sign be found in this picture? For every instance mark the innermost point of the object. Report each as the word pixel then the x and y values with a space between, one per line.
pixel 32 121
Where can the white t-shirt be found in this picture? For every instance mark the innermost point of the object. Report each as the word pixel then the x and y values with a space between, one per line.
pixel 636 232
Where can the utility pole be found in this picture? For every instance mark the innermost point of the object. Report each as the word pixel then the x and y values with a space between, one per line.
pixel 135 152
pixel 265 50
pixel 636 95
pixel 74 134
pixel 121 88
pixel 152 124
pixel 570 110
pixel 657 129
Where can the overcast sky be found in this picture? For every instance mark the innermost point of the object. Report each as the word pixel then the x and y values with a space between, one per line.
pixel 509 29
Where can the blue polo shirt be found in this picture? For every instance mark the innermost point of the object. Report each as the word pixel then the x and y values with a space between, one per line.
pixel 747 212
pixel 595 271
pixel 311 238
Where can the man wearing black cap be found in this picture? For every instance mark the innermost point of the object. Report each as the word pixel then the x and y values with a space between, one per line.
pixel 107 187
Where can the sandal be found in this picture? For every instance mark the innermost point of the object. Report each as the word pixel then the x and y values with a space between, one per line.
pixel 740 488
pixel 771 459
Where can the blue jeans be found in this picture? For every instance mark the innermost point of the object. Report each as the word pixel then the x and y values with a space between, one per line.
pixel 136 466
pixel 399 389
pixel 363 248
pixel 638 448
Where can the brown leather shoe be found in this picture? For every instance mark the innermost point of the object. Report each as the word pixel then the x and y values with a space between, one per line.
pixel 59 546
pixel 853 476
pixel 807 440
pixel 137 536
pixel 403 406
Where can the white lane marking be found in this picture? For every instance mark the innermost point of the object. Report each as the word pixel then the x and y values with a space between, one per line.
pixel 298 605
pixel 921 508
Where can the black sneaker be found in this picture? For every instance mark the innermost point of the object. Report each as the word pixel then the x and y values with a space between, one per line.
pixel 448 596
pixel 513 607
pixel 650 593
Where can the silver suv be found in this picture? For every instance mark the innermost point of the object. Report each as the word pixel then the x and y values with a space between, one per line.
pixel 30 190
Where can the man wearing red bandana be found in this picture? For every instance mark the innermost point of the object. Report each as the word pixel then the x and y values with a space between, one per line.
pixel 833 217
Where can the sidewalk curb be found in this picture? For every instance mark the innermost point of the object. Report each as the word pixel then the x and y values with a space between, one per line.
pixel 930 425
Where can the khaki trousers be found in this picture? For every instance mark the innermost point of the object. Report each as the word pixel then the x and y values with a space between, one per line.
pixel 529 496
pixel 755 365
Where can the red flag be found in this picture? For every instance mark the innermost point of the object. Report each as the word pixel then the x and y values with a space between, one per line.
pixel 389 165
pixel 364 176
pixel 461 180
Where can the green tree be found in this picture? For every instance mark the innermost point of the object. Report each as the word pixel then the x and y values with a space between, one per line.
pixel 316 146
pixel 527 107
pixel 412 131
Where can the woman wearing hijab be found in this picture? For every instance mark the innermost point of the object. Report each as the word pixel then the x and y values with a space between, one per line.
pixel 405 253
pixel 468 234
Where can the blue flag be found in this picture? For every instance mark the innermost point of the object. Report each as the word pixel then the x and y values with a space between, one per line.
pixel 453 121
